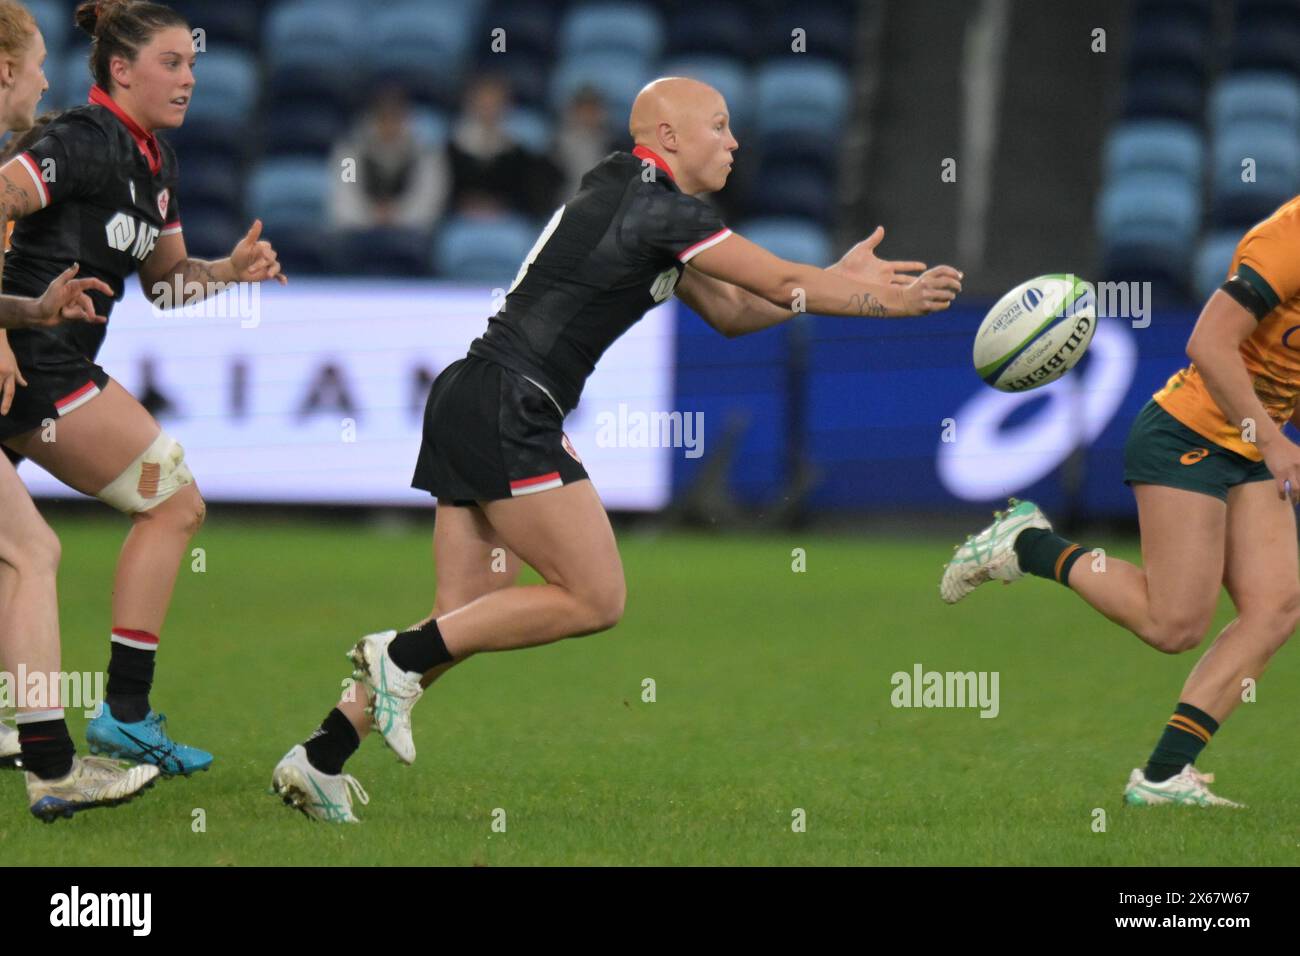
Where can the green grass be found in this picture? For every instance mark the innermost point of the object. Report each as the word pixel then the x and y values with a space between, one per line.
pixel 773 693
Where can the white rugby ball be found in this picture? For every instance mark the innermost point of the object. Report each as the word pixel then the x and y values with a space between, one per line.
pixel 1036 333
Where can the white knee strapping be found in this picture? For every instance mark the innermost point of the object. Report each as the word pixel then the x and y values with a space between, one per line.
pixel 151 479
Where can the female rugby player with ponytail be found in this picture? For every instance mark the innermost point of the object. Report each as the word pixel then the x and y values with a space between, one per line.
pixel 99 189
pixel 59 782
pixel 494 451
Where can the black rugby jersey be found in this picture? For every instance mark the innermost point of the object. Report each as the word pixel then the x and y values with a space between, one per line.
pixel 607 256
pixel 108 192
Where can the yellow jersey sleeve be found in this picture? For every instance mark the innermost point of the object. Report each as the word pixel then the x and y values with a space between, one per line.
pixel 1266 256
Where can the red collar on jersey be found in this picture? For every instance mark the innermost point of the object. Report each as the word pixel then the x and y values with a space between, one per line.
pixel 642 152
pixel 147 142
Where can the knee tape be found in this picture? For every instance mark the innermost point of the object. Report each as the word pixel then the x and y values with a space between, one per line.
pixel 151 479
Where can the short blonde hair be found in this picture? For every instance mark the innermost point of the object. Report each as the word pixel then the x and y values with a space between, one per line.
pixel 17 27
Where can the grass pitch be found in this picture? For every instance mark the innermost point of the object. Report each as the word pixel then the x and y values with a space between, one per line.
pixel 773 694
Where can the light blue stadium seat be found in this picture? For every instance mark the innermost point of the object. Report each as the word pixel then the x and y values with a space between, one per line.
pixel 315 31
pixel 728 76
pixel 483 250
pixel 225 88
pixel 1154 216
pixel 625 28
pixel 798 240
pixel 530 128
pixel 1155 146
pixel 1212 260
pixel 423 46
pixel 618 78
pixel 1256 96
pixel 290 193
pixel 1275 151
pixel 810 96
pixel 430 126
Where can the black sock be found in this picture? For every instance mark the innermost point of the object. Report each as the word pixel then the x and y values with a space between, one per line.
pixel 1184 737
pixel 1046 554
pixel 130 674
pixel 420 649
pixel 47 748
pixel 332 744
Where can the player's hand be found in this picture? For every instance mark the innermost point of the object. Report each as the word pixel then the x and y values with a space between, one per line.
pixel 253 260
pixel 10 376
pixel 931 291
pixel 861 262
pixel 66 300
pixel 1283 460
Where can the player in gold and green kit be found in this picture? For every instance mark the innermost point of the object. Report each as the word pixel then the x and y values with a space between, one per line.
pixel 1216 481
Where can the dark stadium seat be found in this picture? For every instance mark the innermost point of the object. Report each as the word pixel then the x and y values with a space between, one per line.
pixel 482 250
pixel 529 75
pixel 211 231
pixel 792 190
pixel 1165 93
pixel 1266 44
pixel 828 31
pixel 226 24
pixel 1176 41
pixel 724 28
pixel 301 125
pixel 530 28
pixel 621 27
pixel 384 252
pixel 618 78
pixel 211 179
pixel 798 240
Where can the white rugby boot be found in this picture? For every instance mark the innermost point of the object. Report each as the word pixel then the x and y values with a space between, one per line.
pixel 990 554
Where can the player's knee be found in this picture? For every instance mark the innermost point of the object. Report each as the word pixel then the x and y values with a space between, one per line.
pixel 603 606
pixel 1282 617
pixel 1178 635
pixel 42 549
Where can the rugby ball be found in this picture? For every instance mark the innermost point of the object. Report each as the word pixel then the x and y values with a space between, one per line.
pixel 1036 333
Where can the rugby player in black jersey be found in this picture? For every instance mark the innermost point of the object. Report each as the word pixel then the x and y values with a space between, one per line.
pixel 59 782
pixel 494 451
pixel 98 188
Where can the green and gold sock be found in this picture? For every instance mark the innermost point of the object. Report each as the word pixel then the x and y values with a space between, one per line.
pixel 1046 554
pixel 1184 737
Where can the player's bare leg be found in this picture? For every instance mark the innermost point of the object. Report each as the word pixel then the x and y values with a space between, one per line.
pixel 470 560
pixel 1262 575
pixel 90 450
pixel 29 564
pixel 1170 601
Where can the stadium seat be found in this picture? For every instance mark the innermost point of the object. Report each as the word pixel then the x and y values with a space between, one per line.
pixel 384 252
pixel 211 231
pixel 621 28
pixel 1275 150
pixel 290 193
pixel 230 23
pixel 1269 43
pixel 1147 223
pixel 530 128
pixel 529 29
pixel 792 190
pixel 302 126
pixel 810 96
pixel 430 126
pixel 790 238
pixel 828 31
pixel 1155 146
pixel 225 90
pixel 54 19
pixel 728 76
pixel 213 180
pixel 618 78
pixel 481 249
pixel 1170 40
pixel 1165 93
pixel 1212 260
pixel 722 29
pixel 422 45
pixel 306 40
pixel 529 75
pixel 1254 96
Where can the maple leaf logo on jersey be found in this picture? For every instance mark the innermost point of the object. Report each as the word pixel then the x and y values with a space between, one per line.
pixel 163 198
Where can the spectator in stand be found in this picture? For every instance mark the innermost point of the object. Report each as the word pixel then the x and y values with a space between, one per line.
pixel 491 172
pixel 399 182
pixel 583 138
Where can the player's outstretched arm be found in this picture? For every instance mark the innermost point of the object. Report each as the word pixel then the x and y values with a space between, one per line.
pixel 66 299
pixel 796 286
pixel 1215 348
pixel 170 278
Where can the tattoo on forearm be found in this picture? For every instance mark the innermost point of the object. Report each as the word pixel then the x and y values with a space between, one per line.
pixel 14 203
pixel 867 304
pixel 190 281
